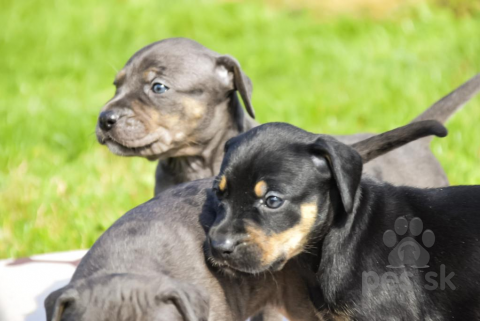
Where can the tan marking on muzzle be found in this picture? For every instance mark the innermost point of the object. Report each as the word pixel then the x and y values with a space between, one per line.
pixel 260 189
pixel 288 243
pixel 166 121
pixel 152 119
pixel 144 114
pixel 193 108
pixel 223 183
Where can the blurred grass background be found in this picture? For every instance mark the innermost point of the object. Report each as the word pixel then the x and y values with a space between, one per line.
pixel 327 66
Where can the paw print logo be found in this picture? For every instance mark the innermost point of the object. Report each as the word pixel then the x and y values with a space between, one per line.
pixel 408 252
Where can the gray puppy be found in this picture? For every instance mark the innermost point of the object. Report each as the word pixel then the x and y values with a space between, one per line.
pixel 150 264
pixel 121 296
pixel 176 101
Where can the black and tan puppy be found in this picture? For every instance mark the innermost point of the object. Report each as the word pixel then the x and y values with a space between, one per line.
pixel 368 250
pixel 176 101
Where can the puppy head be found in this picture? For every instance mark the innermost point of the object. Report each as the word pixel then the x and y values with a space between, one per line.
pixel 279 188
pixel 171 97
pixel 274 190
pixel 127 297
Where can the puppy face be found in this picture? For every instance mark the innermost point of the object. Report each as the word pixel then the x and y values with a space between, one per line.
pixel 280 189
pixel 128 297
pixel 273 191
pixel 164 101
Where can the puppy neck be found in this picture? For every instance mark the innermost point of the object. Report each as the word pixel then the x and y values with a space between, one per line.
pixel 338 262
pixel 336 226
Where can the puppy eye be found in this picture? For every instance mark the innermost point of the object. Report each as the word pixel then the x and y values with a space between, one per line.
pixel 274 202
pixel 159 88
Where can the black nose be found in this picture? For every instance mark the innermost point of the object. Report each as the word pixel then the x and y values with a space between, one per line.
pixel 107 119
pixel 224 245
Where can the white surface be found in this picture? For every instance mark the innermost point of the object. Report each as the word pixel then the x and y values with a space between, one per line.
pixel 25 285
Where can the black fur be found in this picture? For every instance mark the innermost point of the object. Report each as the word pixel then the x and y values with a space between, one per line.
pixel 352 268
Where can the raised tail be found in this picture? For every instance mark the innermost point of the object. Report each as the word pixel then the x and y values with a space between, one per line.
pixel 378 145
pixel 443 109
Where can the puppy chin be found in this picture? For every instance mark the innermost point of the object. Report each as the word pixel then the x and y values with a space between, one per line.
pixel 118 149
pixel 153 151
pixel 236 270
pixel 246 264
pixel 249 268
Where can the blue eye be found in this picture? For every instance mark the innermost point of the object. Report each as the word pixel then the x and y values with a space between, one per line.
pixel 159 88
pixel 274 202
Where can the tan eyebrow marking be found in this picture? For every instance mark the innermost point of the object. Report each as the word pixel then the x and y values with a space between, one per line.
pixel 120 77
pixel 260 189
pixel 223 183
pixel 150 73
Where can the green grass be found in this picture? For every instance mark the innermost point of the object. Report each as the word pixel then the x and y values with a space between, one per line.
pixel 60 190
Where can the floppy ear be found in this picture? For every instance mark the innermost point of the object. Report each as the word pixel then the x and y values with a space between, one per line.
pixel 190 301
pixel 239 81
pixel 229 143
pixel 56 302
pixel 346 167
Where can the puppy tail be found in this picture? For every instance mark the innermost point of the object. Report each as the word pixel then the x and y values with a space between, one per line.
pixel 443 109
pixel 383 143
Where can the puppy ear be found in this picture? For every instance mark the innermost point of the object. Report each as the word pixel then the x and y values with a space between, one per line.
pixel 346 167
pixel 229 143
pixel 57 301
pixel 190 301
pixel 240 81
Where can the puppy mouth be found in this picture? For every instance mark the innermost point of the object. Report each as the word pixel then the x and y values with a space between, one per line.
pixel 152 146
pixel 151 151
pixel 244 266
pixel 230 268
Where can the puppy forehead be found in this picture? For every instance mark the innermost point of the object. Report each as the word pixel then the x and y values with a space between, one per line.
pixel 264 163
pixel 257 183
pixel 153 71
pixel 263 174
pixel 173 59
pixel 180 63
pixel 273 138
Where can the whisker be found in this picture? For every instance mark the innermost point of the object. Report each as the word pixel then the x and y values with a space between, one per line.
pixel 112 66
